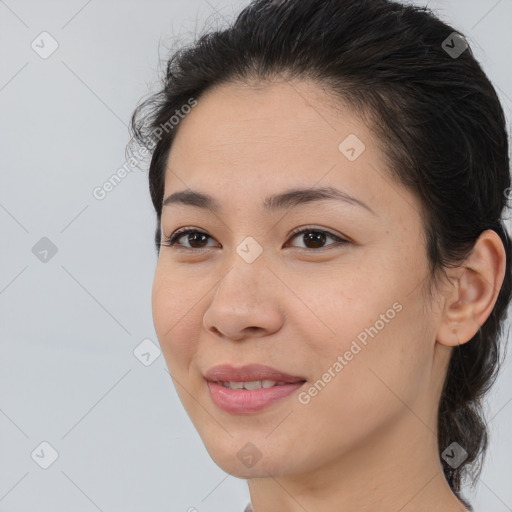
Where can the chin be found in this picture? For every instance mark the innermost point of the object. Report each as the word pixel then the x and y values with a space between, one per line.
pixel 243 459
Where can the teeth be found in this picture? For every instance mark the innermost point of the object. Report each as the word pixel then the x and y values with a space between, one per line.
pixel 234 385
pixel 254 384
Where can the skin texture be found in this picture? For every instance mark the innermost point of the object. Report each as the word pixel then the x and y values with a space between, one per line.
pixel 367 441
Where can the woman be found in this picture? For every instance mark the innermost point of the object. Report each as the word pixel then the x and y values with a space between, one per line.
pixel 329 179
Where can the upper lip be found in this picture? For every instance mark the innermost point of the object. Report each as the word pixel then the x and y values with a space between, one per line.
pixel 248 373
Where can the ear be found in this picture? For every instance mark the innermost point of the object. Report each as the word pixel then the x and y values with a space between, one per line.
pixel 474 291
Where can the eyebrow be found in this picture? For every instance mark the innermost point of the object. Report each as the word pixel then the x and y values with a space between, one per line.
pixel 288 199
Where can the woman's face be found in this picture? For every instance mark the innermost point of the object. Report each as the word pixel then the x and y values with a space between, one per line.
pixel 341 307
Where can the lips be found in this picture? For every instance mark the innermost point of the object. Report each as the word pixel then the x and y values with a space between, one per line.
pixel 248 373
pixel 251 388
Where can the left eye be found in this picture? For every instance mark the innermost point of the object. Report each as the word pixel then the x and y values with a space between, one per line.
pixel 315 237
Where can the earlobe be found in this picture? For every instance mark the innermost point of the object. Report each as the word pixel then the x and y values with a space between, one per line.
pixel 472 297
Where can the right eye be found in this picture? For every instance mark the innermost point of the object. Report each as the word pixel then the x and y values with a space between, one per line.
pixel 194 237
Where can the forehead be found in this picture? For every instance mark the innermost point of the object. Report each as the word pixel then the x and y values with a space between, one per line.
pixel 280 114
pixel 279 131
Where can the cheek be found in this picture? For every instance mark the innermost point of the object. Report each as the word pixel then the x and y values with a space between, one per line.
pixel 372 381
pixel 377 336
pixel 348 310
pixel 175 317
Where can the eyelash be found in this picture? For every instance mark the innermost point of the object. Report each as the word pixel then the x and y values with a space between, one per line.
pixel 172 240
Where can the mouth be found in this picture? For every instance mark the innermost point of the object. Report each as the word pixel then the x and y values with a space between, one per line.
pixel 250 388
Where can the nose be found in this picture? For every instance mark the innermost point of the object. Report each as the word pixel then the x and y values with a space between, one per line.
pixel 247 302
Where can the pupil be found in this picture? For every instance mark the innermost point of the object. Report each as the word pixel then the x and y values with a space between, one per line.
pixel 318 239
pixel 195 235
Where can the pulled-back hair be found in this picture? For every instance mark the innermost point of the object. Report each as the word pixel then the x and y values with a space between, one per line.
pixel 438 121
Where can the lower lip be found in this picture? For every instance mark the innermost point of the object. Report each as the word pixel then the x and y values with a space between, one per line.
pixel 238 401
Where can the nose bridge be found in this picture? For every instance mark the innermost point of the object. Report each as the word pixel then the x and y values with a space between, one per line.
pixel 248 273
pixel 245 296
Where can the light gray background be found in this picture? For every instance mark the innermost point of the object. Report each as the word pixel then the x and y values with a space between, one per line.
pixel 68 374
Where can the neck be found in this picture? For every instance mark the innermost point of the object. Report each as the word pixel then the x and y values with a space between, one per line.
pixel 398 470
